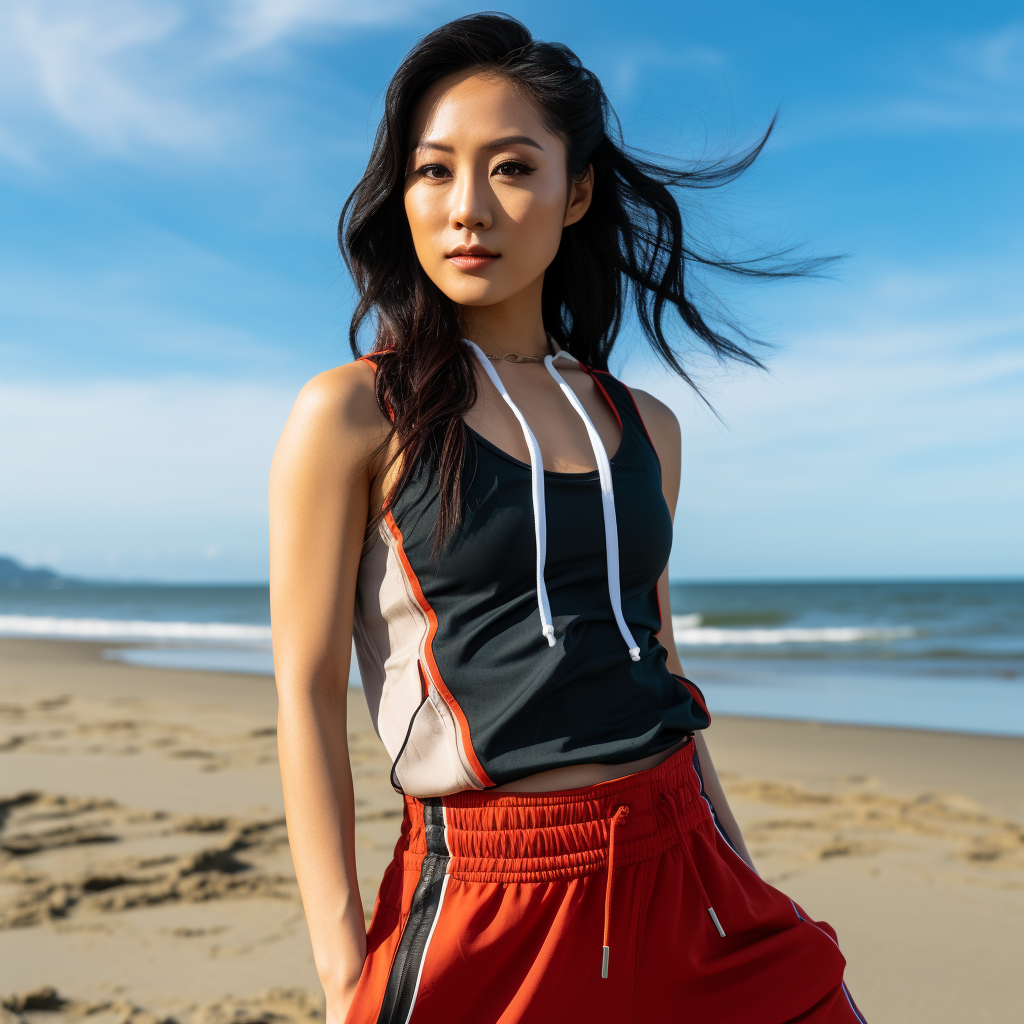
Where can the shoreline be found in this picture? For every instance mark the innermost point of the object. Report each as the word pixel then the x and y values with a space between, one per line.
pixel 144 844
pixel 93 651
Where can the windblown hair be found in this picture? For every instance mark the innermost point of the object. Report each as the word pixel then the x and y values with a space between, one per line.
pixel 630 247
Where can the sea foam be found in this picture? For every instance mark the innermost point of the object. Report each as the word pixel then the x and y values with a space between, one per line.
pixel 52 627
pixel 686 629
pixel 688 632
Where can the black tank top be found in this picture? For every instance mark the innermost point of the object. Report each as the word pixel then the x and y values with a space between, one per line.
pixel 463 687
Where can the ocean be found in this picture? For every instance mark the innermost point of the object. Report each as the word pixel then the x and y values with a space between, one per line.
pixel 945 655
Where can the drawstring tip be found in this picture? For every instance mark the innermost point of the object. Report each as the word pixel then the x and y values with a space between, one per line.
pixel 605 950
pixel 634 653
pixel 549 632
pixel 718 924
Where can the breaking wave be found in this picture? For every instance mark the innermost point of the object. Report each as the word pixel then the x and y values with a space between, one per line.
pixel 51 627
pixel 688 631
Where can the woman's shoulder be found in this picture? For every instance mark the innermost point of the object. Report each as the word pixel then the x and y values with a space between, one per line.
pixel 342 398
pixel 336 418
pixel 655 416
pixel 658 418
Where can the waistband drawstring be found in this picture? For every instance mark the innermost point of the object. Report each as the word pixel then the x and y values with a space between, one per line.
pixel 617 819
pixel 693 867
pixel 604 472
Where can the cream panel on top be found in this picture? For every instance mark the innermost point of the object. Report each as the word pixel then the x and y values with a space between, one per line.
pixel 390 631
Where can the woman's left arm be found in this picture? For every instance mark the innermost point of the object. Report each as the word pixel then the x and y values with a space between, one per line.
pixel 663 427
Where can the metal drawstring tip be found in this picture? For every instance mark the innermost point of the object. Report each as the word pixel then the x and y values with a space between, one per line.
pixel 549 632
pixel 634 653
pixel 718 924
pixel 605 950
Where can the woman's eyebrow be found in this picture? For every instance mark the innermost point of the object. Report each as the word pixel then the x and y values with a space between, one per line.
pixel 512 140
pixel 506 140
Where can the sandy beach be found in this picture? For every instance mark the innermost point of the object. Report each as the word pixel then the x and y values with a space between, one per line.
pixel 145 873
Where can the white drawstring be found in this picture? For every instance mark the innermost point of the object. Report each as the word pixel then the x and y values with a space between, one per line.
pixel 537 480
pixel 604 472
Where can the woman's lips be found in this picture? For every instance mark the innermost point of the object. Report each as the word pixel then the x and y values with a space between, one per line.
pixel 473 260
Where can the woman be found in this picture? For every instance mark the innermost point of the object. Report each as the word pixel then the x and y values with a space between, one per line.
pixel 490 520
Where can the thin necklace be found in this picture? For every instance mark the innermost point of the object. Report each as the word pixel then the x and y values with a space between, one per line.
pixel 517 357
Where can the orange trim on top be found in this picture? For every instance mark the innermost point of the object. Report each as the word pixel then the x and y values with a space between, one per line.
pixel 642 424
pixel 592 374
pixel 695 694
pixel 369 358
pixel 435 673
pixel 370 362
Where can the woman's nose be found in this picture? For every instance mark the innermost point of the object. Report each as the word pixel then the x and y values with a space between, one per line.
pixel 470 207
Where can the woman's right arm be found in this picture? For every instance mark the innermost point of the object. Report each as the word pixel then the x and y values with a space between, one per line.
pixel 321 483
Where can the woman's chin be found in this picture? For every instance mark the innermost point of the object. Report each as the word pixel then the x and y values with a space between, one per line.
pixel 476 292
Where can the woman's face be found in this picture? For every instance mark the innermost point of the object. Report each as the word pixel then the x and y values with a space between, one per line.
pixel 486 189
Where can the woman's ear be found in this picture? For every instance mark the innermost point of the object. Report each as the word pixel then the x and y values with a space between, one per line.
pixel 581 192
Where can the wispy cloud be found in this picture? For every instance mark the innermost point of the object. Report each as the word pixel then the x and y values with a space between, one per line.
pixel 255 24
pixel 978 83
pixel 998 57
pixel 888 422
pixel 628 64
pixel 94 67
pixel 132 75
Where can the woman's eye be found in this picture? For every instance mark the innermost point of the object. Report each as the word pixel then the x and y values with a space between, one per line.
pixel 433 171
pixel 511 168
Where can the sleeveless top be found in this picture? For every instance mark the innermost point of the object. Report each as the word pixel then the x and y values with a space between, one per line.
pixel 467 684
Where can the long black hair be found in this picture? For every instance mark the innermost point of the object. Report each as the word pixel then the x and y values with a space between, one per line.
pixel 630 247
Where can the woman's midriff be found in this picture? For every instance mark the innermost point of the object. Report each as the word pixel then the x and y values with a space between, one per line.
pixel 579 775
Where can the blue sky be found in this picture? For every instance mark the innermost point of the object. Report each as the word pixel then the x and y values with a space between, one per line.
pixel 171 176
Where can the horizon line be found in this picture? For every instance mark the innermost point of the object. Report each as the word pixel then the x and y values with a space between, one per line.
pixel 678 581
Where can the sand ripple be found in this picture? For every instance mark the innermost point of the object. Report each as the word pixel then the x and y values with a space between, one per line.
pixel 275 1006
pixel 68 855
pixel 937 831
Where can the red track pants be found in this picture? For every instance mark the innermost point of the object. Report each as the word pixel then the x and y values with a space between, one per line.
pixel 621 902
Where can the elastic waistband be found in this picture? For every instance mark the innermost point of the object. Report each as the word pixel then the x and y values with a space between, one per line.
pixel 544 836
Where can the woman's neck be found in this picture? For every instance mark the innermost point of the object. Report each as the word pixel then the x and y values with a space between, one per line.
pixel 514 325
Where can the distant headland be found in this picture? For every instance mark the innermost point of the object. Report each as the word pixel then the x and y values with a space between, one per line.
pixel 15 576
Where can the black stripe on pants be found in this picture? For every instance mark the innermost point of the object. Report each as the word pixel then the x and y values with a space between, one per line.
pixel 400 991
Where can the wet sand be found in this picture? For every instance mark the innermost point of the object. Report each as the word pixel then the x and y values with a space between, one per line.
pixel 145 874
